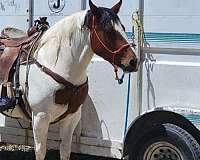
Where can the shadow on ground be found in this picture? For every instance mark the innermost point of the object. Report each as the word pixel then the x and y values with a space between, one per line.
pixel 51 155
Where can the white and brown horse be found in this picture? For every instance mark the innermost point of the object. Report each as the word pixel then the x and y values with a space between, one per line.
pixel 66 49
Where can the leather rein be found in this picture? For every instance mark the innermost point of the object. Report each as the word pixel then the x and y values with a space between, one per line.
pixel 113 53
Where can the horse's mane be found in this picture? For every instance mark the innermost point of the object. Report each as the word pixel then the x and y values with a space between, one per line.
pixel 107 16
pixel 66 26
pixel 67 31
pixel 80 20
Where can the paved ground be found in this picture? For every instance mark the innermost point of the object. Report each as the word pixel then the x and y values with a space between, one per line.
pixel 14 152
pixel 51 155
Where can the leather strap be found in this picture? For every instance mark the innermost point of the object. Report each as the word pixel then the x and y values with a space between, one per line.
pixel 67 85
pixel 54 75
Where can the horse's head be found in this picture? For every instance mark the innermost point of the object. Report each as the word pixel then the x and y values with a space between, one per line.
pixel 108 37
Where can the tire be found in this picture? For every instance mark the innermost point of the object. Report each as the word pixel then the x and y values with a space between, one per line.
pixel 166 142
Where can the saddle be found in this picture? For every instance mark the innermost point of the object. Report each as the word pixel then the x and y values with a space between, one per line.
pixel 16 47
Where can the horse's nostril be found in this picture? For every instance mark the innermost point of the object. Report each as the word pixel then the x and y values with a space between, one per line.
pixel 133 62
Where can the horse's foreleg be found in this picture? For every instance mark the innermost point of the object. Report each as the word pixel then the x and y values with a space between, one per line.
pixel 40 131
pixel 67 127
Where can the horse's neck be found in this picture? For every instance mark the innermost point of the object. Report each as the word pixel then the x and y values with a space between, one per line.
pixel 69 53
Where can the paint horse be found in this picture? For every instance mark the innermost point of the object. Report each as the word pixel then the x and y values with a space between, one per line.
pixel 57 77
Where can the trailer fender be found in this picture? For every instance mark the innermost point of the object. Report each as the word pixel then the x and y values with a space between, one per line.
pixel 146 121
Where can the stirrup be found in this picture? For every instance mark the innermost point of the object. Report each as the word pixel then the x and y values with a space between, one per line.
pixel 6 103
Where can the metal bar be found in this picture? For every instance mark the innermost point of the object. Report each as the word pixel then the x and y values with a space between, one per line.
pixel 141 56
pixel 141 11
pixel 127 103
pixel 83 4
pixel 173 51
pixel 31 10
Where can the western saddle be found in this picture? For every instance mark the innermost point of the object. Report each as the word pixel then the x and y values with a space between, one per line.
pixel 16 47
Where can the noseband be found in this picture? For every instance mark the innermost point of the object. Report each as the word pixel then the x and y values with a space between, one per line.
pixel 113 53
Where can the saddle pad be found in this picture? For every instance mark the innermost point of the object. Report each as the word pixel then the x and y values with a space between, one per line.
pixel 11 32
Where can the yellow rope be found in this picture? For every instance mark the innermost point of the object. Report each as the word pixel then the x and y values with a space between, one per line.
pixel 140 27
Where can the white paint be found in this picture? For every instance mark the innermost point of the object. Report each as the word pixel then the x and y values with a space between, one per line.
pixel 174 16
pixel 14 13
pixel 174 63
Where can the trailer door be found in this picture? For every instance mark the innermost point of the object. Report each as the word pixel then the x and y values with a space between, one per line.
pixel 14 14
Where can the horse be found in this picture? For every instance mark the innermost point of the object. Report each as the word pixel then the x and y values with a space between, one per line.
pixel 65 50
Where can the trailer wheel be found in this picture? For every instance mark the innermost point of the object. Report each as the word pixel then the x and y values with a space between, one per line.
pixel 166 142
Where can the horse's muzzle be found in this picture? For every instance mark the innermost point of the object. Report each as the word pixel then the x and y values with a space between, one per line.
pixel 133 65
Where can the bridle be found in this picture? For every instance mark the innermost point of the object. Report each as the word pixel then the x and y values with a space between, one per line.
pixel 113 53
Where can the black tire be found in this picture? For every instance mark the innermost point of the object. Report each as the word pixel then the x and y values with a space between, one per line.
pixel 166 142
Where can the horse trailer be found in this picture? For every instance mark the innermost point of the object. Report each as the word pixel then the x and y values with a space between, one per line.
pixel 155 113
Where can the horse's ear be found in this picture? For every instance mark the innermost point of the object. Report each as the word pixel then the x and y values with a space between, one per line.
pixel 94 9
pixel 117 7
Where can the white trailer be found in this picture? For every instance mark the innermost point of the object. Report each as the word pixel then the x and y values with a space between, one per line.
pixel 154 114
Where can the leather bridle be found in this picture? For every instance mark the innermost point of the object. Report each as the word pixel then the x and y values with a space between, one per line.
pixel 113 53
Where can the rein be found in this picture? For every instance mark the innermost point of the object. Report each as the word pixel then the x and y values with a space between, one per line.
pixel 113 53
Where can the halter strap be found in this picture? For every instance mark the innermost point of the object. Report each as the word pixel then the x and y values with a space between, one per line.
pixel 115 52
